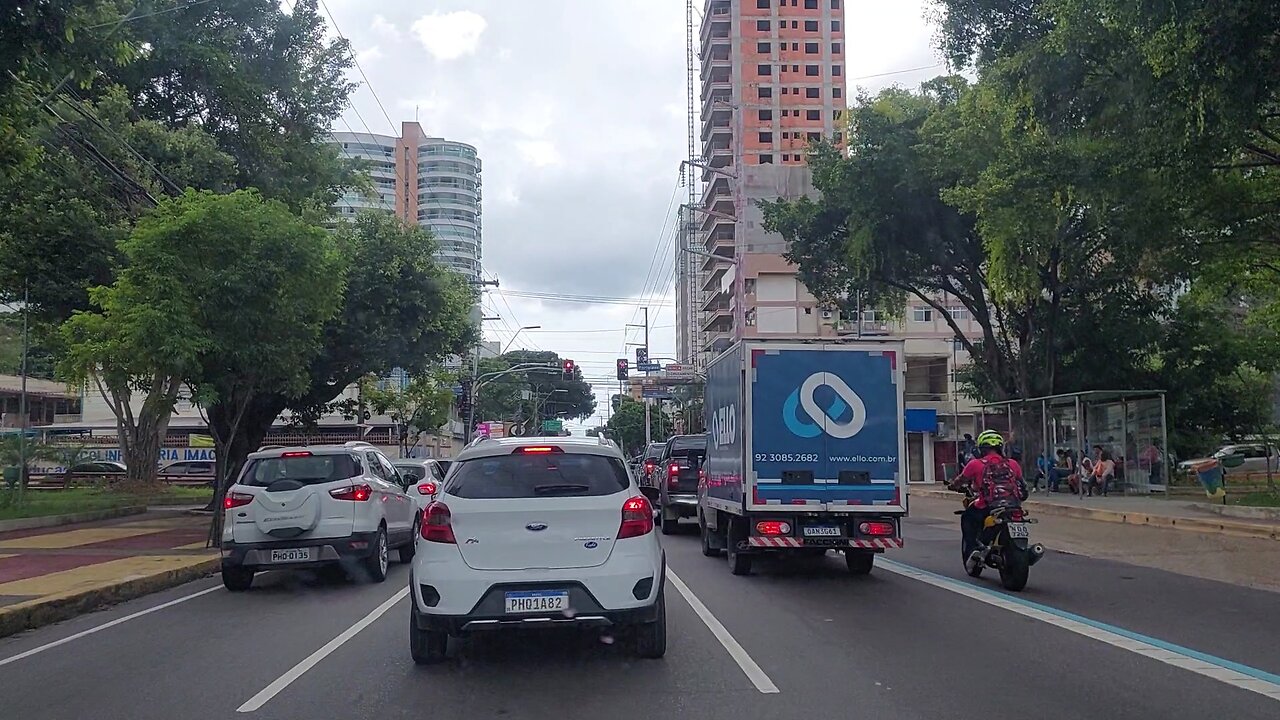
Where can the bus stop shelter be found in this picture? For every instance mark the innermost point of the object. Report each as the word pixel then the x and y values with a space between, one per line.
pixel 1129 424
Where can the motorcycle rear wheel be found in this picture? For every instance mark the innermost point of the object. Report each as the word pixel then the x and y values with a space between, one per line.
pixel 1015 569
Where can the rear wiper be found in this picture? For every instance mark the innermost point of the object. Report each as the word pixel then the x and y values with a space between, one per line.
pixel 560 487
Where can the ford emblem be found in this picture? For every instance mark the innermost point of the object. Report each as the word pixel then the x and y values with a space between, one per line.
pixel 591 545
pixel 535 527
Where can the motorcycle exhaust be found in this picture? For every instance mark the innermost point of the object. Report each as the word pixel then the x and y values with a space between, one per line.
pixel 1036 551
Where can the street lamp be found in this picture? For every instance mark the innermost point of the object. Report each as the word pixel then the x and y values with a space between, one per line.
pixel 512 341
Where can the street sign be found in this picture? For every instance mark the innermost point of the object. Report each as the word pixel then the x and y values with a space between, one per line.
pixel 642 356
pixel 677 370
pixel 552 426
pixel 655 393
pixel 648 367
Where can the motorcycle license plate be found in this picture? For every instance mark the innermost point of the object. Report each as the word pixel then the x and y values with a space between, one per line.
pixel 1019 530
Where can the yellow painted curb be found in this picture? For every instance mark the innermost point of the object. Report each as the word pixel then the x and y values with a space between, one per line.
pixel 46 610
pixel 1197 525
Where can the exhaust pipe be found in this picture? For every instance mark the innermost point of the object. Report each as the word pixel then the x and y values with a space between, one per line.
pixel 1036 551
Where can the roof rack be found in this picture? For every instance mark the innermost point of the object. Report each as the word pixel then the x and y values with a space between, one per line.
pixel 358 443
pixel 264 448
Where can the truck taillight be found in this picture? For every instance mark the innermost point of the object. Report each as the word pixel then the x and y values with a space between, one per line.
pixel 673 470
pixel 637 518
pixel 876 529
pixel 437 524
pixel 355 493
pixel 773 527
pixel 235 500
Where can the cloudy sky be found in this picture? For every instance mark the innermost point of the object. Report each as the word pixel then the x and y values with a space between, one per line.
pixel 578 110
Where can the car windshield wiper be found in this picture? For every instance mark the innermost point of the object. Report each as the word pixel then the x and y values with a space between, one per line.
pixel 560 487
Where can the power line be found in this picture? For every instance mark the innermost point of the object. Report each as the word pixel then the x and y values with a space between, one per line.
pixel 570 298
pixel 357 64
pixel 131 18
pixel 899 72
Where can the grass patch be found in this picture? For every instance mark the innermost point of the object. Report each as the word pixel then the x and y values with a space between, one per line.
pixel 41 503
pixel 1255 499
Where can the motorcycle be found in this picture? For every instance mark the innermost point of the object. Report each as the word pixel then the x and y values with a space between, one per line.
pixel 1004 543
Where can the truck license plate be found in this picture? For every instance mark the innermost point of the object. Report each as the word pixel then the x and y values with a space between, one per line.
pixel 291 555
pixel 1019 530
pixel 821 531
pixel 537 601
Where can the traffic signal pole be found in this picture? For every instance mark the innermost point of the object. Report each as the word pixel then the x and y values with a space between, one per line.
pixel 648 432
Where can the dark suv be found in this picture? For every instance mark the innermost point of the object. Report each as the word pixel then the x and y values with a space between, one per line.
pixel 677 479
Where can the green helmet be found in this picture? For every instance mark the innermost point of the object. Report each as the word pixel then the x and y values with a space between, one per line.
pixel 990 438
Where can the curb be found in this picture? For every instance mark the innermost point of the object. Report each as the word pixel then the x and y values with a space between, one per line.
pixel 1238 511
pixel 18 618
pixel 70 519
pixel 1197 525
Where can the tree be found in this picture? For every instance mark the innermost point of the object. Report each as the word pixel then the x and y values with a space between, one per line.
pixel 553 395
pixel 419 407
pixel 400 309
pixel 626 426
pixel 222 294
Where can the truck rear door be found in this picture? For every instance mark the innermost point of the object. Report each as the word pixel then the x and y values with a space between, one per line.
pixel 826 426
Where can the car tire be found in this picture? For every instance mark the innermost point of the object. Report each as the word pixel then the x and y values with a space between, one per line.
pixel 409 549
pixel 376 564
pixel 428 647
pixel 670 525
pixel 651 637
pixel 859 563
pixel 237 579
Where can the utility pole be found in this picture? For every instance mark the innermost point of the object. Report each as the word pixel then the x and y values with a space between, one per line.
pixel 22 396
pixel 648 431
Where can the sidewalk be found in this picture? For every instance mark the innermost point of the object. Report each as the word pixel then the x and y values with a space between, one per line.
pixel 1152 510
pixel 50 574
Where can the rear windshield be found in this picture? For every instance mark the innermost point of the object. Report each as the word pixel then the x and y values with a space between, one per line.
pixel 527 476
pixel 689 445
pixel 655 450
pixel 307 470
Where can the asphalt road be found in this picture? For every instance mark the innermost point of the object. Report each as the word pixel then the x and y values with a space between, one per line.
pixel 916 639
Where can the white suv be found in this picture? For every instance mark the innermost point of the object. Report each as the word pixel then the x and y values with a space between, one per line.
pixel 537 532
pixel 338 506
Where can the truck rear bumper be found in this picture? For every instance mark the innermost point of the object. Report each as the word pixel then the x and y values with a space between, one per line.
pixel 764 542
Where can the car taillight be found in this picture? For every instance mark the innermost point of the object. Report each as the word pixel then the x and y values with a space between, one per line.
pixel 437 524
pixel 637 518
pixel 427 488
pixel 235 500
pixel 773 527
pixel 876 529
pixel 357 493
pixel 649 466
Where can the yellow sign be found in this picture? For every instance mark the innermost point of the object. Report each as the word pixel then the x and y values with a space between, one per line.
pixel 199 441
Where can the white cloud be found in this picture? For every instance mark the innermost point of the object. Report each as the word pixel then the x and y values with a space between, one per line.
pixel 449 36
pixel 539 153
pixel 373 54
pixel 384 28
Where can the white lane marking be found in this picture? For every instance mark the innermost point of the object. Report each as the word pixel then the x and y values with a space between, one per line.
pixel 105 626
pixel 749 667
pixel 295 672
pixel 1216 668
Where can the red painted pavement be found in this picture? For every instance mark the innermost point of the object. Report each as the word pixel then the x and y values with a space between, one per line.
pixel 152 541
pixel 21 567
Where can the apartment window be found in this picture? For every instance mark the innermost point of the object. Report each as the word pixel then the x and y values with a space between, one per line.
pixel 785 91
pixel 811 48
pixel 958 312
pixel 764 69
pixel 766 137
pixel 795 24
pixel 762 25
pixel 762 4
pixel 835 48
pixel 810 4
pixel 835 4
pixel 813 92
pixel 766 159
pixel 835 26
pixel 922 314
pixel 836 70
pixel 795 46
pixel 795 68
pixel 815 137
pixel 839 137
pixel 786 157
pixel 766 114
pixel 767 92
pixel 763 47
pixel 812 114
pixel 811 70
pixel 811 26
pixel 836 92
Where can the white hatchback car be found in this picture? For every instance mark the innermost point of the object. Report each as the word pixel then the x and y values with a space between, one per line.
pixel 319 506
pixel 537 532
pixel 422 477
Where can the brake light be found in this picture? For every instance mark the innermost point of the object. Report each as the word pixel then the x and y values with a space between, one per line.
pixel 356 493
pixel 437 524
pixel 235 500
pixel 1016 515
pixel 536 450
pixel 427 488
pixel 296 453
pixel 637 518
pixel 876 529
pixel 773 527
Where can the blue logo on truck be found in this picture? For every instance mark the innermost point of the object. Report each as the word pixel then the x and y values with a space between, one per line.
pixel 845 400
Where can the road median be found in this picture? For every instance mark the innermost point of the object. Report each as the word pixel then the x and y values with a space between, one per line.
pixel 1175 518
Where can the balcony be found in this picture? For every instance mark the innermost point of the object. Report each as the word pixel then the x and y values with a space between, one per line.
pixel 712 223
pixel 716 21
pixel 715 277
pixel 720 101
pixel 718 66
pixel 716 127
pixel 718 317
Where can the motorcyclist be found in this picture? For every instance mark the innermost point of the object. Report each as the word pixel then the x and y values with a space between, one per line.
pixel 985 479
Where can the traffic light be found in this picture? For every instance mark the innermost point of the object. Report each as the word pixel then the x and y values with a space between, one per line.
pixel 623 368
pixel 642 356
pixel 464 397
pixel 568 369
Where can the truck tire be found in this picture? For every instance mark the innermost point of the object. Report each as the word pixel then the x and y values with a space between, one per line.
pixel 739 562
pixel 859 563
pixel 708 548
